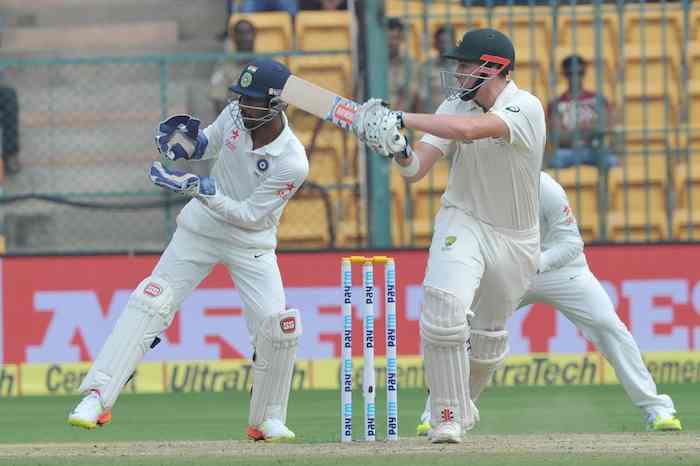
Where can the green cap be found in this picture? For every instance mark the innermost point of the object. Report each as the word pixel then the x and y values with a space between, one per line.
pixel 479 42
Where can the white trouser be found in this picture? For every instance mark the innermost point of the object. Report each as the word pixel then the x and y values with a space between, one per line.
pixel 487 268
pixel 190 257
pixel 186 261
pixel 576 293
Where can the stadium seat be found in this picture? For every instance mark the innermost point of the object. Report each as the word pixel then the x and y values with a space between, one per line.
pixel 654 26
pixel 528 27
pixel 581 186
pixel 323 30
pixel 351 229
pixel 693 117
pixel 686 224
pixel 461 19
pixel 325 161
pixel 531 74
pixel 653 64
pixel 640 140
pixel 687 183
pixel 411 15
pixel 578 30
pixel 639 184
pixel 649 105
pixel 638 226
pixel 273 30
pixel 304 223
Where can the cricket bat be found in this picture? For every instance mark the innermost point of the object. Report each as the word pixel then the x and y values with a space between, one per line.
pixel 320 102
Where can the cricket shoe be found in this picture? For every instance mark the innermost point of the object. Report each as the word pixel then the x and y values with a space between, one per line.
pixel 271 430
pixel 90 413
pixel 446 432
pixel 663 423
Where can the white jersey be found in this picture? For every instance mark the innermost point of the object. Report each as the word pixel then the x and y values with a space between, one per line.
pixel 253 186
pixel 494 180
pixel 560 239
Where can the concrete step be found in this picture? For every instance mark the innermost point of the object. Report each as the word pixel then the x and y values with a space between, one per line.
pixel 117 36
pixel 196 19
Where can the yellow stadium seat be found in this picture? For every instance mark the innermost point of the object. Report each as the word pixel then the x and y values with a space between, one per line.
pixel 687 184
pixel 461 19
pixel 639 184
pixel 686 224
pixel 581 186
pixel 655 27
pixel 656 66
pixel 531 74
pixel 325 160
pixel 323 30
pixel 351 229
pixel 273 30
pixel 639 139
pixel 648 105
pixel 638 226
pixel 579 31
pixel 305 222
pixel 527 27
pixel 694 104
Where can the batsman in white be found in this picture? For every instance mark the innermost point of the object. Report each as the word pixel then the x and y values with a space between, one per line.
pixel 231 219
pixel 485 246
pixel 565 282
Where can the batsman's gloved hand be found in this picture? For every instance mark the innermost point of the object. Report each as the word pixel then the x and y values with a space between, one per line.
pixel 188 184
pixel 380 128
pixel 188 127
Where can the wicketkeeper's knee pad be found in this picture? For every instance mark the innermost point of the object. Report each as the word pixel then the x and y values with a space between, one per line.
pixel 444 332
pixel 149 311
pixel 487 353
pixel 275 343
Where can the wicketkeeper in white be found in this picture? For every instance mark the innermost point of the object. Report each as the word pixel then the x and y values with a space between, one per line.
pixel 565 282
pixel 232 219
pixel 485 246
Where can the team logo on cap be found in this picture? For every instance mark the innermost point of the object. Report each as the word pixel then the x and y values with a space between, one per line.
pixel 263 165
pixel 246 79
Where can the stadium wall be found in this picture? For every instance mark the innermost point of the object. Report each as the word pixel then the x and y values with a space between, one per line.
pixel 55 313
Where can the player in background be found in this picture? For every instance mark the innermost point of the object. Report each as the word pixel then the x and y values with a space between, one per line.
pixel 485 246
pixel 564 281
pixel 231 219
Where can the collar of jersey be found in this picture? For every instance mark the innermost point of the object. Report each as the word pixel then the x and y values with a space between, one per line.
pixel 505 95
pixel 276 147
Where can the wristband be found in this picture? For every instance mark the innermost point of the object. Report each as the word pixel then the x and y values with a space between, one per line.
pixel 412 168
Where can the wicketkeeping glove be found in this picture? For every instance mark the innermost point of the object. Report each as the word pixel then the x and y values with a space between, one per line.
pixel 189 142
pixel 184 183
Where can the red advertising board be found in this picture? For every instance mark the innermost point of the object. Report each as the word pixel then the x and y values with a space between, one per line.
pixel 61 309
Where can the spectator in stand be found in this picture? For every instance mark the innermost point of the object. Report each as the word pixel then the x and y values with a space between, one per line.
pixel 403 88
pixel 242 39
pixel 251 6
pixel 578 121
pixel 9 123
pixel 430 90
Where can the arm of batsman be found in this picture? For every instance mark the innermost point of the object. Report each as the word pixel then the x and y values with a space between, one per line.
pixel 186 126
pixel 188 184
pixel 380 128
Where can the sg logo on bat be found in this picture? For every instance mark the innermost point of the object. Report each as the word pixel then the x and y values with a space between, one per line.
pixel 343 112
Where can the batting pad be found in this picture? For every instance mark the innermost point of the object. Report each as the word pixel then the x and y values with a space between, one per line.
pixel 148 313
pixel 275 344
pixel 488 352
pixel 444 332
